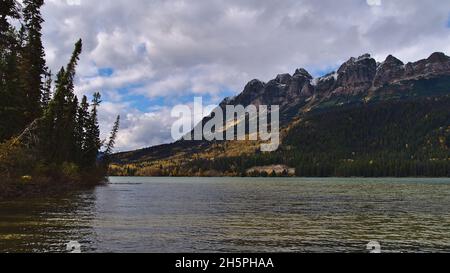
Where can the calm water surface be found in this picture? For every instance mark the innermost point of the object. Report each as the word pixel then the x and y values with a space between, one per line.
pixel 235 215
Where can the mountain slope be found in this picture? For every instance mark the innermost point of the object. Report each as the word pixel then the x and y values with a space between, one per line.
pixel 366 119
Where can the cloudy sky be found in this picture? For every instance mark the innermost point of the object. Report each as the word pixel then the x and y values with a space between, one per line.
pixel 145 56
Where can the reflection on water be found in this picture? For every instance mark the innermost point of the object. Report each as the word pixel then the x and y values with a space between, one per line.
pixel 235 215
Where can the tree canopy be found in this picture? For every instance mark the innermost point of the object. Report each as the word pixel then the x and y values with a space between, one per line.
pixel 44 119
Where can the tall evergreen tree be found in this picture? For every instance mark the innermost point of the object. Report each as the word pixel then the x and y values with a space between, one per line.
pixel 11 106
pixel 106 160
pixel 112 137
pixel 80 129
pixel 61 115
pixel 47 91
pixel 93 143
pixel 71 126
pixel 52 119
pixel 10 97
pixel 8 9
pixel 33 63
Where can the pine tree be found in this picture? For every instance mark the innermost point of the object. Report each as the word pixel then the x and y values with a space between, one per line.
pixel 93 143
pixel 69 107
pixel 61 115
pixel 33 63
pixel 71 126
pixel 106 160
pixel 8 9
pixel 80 129
pixel 71 66
pixel 112 137
pixel 51 120
pixel 11 106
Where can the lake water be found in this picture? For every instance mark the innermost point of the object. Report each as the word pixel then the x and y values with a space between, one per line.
pixel 235 215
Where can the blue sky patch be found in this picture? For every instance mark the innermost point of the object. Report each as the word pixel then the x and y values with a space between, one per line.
pixel 146 104
pixel 105 72
pixel 322 72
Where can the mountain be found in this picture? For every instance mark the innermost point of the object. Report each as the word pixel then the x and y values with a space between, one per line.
pixel 365 119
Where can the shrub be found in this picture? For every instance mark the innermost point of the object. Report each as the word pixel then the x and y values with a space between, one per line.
pixel 70 171
pixel 15 161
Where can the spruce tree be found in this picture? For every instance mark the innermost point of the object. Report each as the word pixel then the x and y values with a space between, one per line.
pixel 112 137
pixel 8 9
pixel 93 143
pixel 80 129
pixel 71 125
pixel 11 106
pixel 52 120
pixel 33 63
pixel 106 160
pixel 61 115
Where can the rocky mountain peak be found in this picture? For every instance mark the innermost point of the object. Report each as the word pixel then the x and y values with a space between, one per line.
pixel 356 75
pixel 326 83
pixel 254 84
pixel 283 79
pixel 389 70
pixel 438 57
pixel 301 72
pixel 300 85
pixel 392 61
pixel 364 57
pixel 437 64
pixel 252 90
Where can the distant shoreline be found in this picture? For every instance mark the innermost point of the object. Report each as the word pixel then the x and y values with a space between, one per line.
pixel 343 177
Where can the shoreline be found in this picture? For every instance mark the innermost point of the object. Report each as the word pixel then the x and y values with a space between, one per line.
pixel 44 187
pixel 236 176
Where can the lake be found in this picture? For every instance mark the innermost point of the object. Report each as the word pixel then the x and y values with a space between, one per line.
pixel 235 215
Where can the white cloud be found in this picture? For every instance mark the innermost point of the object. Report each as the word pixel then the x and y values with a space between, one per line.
pixel 374 2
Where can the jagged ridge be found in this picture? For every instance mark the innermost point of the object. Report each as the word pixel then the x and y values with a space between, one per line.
pixel 357 76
